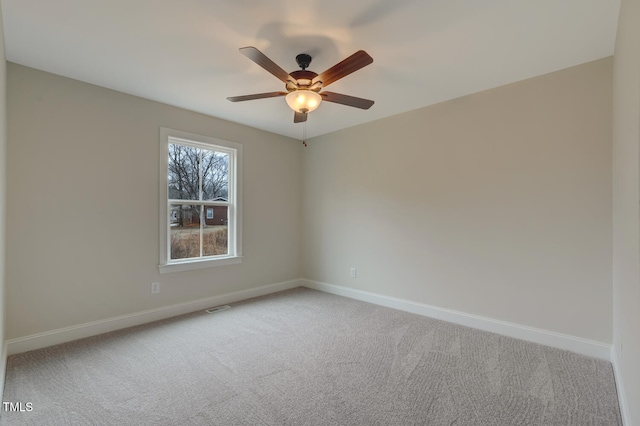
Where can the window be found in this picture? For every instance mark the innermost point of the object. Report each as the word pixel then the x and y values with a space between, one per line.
pixel 200 196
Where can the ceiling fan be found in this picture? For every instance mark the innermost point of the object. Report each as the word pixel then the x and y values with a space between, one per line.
pixel 303 86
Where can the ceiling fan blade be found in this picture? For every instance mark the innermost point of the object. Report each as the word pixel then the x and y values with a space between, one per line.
pixel 261 59
pixel 353 63
pixel 299 117
pixel 346 100
pixel 256 96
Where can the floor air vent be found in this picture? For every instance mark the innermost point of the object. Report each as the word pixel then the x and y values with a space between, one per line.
pixel 217 309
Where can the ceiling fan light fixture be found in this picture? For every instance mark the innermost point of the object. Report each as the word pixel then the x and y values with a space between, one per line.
pixel 302 86
pixel 303 100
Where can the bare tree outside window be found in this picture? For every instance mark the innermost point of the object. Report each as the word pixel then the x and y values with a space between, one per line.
pixel 197 179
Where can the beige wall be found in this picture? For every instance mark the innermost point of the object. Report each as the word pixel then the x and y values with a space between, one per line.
pixel 626 199
pixel 3 186
pixel 83 205
pixel 496 204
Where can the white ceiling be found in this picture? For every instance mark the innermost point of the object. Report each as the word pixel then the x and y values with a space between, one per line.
pixel 185 52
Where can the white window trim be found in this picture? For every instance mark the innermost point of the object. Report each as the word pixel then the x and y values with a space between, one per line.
pixel 234 214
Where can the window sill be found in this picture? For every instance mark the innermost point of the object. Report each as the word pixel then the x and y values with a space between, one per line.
pixel 199 264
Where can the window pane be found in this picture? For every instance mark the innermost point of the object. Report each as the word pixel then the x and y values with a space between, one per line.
pixel 184 223
pixel 183 172
pixel 214 238
pixel 201 181
pixel 215 176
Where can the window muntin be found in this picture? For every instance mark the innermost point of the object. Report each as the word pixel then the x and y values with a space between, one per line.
pixel 200 194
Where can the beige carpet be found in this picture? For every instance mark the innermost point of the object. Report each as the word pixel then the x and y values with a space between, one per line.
pixel 303 357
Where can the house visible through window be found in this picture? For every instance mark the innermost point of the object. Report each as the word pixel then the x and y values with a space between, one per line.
pixel 201 211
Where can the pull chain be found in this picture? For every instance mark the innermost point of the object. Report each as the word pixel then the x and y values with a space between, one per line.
pixel 304 133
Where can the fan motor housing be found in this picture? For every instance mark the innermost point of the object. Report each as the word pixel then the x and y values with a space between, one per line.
pixel 303 78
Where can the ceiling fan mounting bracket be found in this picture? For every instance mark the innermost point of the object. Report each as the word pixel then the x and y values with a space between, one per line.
pixel 303 60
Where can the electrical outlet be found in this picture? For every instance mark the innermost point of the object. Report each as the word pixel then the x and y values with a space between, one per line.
pixel 155 288
pixel 353 272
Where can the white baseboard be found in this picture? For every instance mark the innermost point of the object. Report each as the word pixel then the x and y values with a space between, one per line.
pixel 62 335
pixel 544 337
pixel 3 370
pixel 622 398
